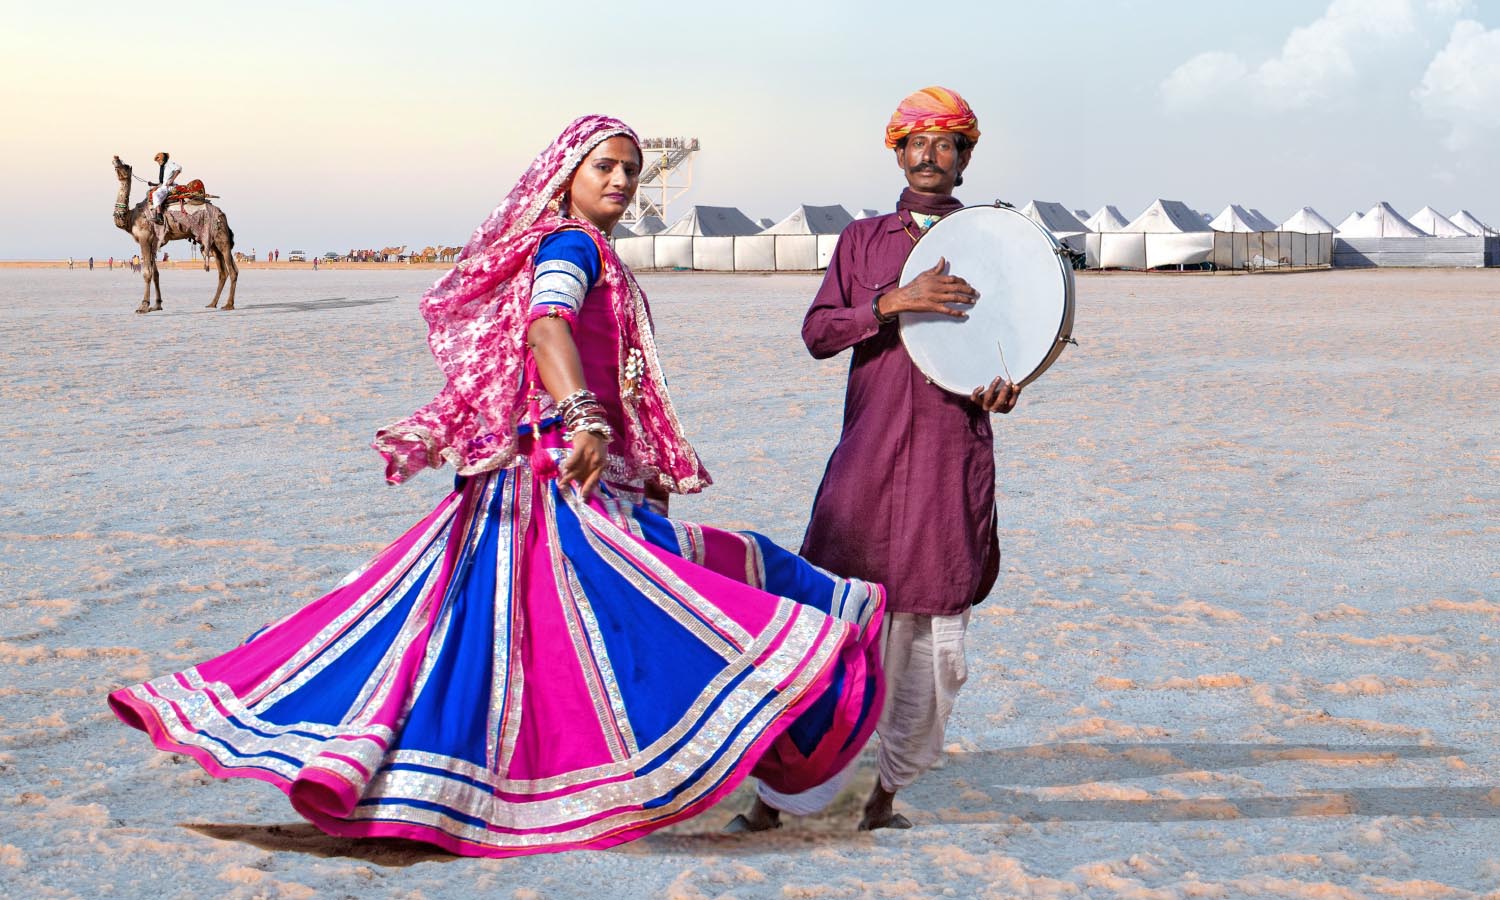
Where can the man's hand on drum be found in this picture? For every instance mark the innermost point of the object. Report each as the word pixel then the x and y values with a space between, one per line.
pixel 999 397
pixel 931 292
pixel 585 464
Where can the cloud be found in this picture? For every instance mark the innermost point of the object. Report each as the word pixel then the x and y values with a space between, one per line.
pixel 1199 80
pixel 1317 61
pixel 1462 84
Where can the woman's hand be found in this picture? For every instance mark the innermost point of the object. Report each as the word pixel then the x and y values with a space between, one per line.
pixel 585 465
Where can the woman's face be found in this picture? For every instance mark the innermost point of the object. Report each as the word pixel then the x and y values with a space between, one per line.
pixel 604 183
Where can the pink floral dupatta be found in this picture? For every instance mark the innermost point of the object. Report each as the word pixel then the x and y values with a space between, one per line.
pixel 477 316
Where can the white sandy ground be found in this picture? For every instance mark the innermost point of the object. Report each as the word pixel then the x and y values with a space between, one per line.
pixel 1246 643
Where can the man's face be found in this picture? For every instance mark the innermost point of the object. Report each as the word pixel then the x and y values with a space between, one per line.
pixel 160 157
pixel 932 161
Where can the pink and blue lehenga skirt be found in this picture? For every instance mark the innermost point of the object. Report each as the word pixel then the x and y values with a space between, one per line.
pixel 526 672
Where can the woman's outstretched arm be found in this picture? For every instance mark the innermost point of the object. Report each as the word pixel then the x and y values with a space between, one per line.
pixel 561 371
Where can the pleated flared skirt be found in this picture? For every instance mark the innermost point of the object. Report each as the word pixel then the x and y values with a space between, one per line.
pixel 526 672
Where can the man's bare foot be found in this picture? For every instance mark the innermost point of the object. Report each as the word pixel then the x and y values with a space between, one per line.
pixel 761 817
pixel 880 812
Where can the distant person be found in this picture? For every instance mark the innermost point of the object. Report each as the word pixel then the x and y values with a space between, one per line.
pixel 164 256
pixel 315 264
pixel 162 187
pixel 91 264
pixel 111 263
pixel 908 497
pixel 70 262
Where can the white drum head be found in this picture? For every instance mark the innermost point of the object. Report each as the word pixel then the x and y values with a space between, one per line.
pixel 1024 314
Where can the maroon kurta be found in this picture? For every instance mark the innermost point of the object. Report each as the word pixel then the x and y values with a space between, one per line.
pixel 908 498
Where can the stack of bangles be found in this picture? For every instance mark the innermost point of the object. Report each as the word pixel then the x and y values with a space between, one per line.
pixel 582 412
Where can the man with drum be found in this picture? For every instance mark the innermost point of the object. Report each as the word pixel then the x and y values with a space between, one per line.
pixel 908 498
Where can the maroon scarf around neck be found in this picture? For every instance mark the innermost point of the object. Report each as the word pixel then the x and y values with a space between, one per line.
pixel 928 204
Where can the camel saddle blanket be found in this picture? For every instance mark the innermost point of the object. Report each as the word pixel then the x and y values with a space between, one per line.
pixel 194 221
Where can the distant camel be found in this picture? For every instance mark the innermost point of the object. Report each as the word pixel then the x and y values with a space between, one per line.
pixel 137 222
pixel 391 254
pixel 448 254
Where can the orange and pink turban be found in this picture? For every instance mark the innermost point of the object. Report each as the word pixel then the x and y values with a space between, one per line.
pixel 932 109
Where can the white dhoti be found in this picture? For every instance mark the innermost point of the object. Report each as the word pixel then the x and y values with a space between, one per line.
pixel 923 659
pixel 159 196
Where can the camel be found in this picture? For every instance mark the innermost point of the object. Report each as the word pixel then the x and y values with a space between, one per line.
pixel 390 254
pixel 137 222
pixel 448 254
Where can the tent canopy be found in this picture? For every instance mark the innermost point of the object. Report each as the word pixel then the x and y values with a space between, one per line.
pixel 1054 217
pixel 867 214
pixel 1437 224
pixel 1350 221
pixel 649 225
pixel 1168 217
pixel 1261 219
pixel 1470 223
pixel 713 221
pixel 1307 221
pixel 1382 221
pixel 1108 218
pixel 812 220
pixel 1239 219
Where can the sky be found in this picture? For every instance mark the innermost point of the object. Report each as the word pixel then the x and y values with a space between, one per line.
pixel 330 126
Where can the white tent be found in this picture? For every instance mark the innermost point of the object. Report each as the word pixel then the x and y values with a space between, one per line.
pixel 712 221
pixel 867 214
pixel 1168 217
pixel 1237 218
pixel 765 223
pixel 1470 223
pixel 1382 221
pixel 802 241
pixel 1307 221
pixel 649 225
pixel 1262 219
pixel 1350 221
pixel 1108 218
pixel 1436 224
pixel 620 231
pixel 812 220
pixel 1168 233
pixel 1248 240
pixel 1056 219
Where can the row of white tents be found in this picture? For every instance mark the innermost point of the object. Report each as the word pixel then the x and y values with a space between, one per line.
pixel 723 239
pixel 1168 233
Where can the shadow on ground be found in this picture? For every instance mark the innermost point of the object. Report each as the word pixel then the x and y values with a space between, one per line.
pixel 987 788
pixel 313 305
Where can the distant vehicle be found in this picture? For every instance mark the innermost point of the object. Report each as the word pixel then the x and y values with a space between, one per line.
pixel 331 256
pixel 296 256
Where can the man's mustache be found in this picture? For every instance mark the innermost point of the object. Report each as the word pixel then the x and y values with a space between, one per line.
pixel 926 167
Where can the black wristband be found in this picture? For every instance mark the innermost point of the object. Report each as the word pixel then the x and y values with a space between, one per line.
pixel 875 308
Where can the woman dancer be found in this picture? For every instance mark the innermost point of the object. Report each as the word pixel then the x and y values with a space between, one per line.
pixel 545 662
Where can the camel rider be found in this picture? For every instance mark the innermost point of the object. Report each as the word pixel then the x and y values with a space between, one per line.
pixel 162 187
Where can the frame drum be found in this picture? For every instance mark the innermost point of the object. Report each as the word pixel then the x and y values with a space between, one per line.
pixel 1024 314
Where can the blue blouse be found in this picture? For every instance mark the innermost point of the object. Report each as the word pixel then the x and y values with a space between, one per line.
pixel 567 265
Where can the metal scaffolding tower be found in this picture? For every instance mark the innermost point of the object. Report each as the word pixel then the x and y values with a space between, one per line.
pixel 667 174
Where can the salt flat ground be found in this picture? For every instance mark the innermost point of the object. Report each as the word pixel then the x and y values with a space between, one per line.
pixel 1246 642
